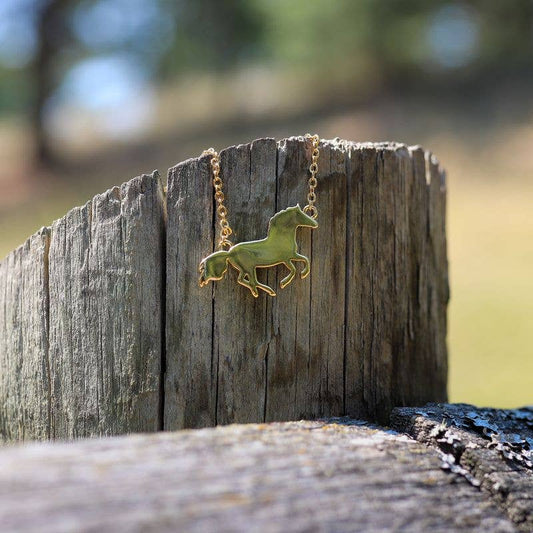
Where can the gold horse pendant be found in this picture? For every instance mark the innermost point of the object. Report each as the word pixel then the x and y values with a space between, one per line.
pixel 278 247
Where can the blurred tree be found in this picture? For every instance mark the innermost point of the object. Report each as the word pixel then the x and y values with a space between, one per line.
pixel 402 41
pixel 341 43
pixel 212 34
pixel 52 37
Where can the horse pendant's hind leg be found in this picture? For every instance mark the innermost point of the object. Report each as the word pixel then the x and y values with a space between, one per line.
pixel 287 279
pixel 241 279
pixel 307 267
pixel 259 285
pixel 249 280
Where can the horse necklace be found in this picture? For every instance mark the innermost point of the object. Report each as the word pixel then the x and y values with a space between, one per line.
pixel 278 247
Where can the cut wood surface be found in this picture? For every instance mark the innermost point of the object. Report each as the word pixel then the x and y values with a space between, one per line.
pixel 106 331
pixel 328 475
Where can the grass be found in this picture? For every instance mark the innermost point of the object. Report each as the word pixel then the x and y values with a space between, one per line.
pixel 491 313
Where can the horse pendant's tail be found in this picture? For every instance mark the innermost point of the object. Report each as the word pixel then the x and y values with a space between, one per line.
pixel 213 267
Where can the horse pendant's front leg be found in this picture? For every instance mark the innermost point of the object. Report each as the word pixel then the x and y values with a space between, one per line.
pixel 287 279
pixel 307 265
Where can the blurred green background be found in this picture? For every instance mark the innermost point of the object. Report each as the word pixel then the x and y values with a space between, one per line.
pixel 93 92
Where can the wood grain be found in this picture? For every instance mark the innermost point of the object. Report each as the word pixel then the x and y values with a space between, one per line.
pixel 106 291
pixel 421 348
pixel 241 325
pixel 491 448
pixel 288 383
pixel 191 368
pixel 24 363
pixel 329 475
pixel 394 263
pixel 439 289
pixel 328 287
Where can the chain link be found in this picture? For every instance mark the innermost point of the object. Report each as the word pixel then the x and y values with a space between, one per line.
pixel 222 212
pixel 310 208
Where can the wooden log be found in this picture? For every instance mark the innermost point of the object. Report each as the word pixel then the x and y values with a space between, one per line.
pixel 127 341
pixel 491 448
pixel 106 292
pixel 24 363
pixel 366 332
pixel 329 475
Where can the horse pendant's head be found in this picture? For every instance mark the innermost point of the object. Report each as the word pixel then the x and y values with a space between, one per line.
pixel 302 218
pixel 213 267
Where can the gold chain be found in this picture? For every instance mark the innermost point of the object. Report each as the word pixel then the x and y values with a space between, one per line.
pixel 310 208
pixel 222 212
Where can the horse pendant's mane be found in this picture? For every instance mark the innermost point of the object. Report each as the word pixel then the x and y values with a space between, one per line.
pixel 279 247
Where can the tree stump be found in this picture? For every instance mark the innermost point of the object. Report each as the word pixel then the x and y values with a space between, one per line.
pixel 104 329
pixel 364 333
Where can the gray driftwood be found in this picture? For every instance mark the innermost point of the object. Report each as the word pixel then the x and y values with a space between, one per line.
pixel 87 348
pixel 333 475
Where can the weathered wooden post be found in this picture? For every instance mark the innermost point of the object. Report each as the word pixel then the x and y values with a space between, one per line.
pixel 365 334
pixel 24 372
pixel 105 313
pixel 81 320
pixel 104 329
